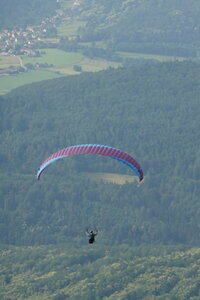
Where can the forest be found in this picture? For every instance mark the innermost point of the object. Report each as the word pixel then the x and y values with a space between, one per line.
pixel 147 247
pixel 118 272
pixel 157 27
pixel 149 111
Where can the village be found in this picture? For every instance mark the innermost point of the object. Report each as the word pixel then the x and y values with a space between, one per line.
pixel 23 41
pixel 17 42
pixel 26 41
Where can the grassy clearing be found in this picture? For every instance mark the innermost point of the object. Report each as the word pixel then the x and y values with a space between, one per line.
pixel 94 65
pixel 111 177
pixel 69 29
pixel 161 58
pixel 7 83
pixel 98 44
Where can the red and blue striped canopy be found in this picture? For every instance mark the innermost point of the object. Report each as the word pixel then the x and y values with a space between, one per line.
pixel 94 149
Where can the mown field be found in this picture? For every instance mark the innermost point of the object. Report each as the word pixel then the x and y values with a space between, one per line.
pixel 110 177
pixel 6 61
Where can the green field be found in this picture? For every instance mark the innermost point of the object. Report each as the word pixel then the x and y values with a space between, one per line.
pixel 61 62
pixel 7 83
pixel 161 58
pixel 56 57
pixel 69 29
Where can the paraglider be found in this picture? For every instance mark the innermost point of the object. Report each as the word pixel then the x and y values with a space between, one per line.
pixel 91 234
pixel 97 150
pixel 94 149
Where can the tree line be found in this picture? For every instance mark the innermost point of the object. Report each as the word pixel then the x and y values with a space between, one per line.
pixel 166 28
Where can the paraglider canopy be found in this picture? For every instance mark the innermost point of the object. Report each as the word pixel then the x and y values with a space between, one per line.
pixel 94 149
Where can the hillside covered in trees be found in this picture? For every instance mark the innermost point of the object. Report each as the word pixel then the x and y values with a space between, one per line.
pixel 151 112
pixel 158 27
pixel 109 273
pixel 21 13
pixel 148 242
